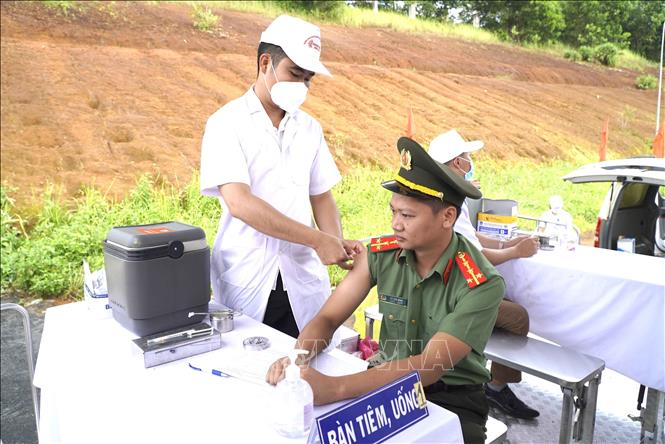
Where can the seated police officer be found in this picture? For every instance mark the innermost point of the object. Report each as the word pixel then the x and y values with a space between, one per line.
pixel 438 294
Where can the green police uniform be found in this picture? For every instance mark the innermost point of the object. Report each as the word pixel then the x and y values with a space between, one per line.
pixel 415 309
pixel 460 296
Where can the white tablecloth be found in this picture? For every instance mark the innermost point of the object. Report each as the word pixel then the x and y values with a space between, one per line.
pixel 95 389
pixel 600 302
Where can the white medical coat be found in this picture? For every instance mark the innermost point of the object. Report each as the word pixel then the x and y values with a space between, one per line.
pixel 283 167
pixel 464 227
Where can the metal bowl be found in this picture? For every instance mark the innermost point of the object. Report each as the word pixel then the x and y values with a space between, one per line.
pixel 222 320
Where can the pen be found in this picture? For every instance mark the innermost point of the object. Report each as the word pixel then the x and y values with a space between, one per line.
pixel 213 371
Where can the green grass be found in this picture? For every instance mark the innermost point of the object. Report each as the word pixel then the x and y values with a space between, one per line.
pixel 204 19
pixel 629 60
pixel 42 254
pixel 625 59
pixel 365 18
pixel 64 7
pixel 47 262
pixel 531 185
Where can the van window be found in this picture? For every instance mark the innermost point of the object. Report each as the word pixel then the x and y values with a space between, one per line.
pixel 633 195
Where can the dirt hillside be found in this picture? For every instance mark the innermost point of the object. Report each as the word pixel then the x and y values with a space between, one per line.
pixel 119 89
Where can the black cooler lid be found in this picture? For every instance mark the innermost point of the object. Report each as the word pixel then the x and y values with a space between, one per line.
pixel 144 242
pixel 154 235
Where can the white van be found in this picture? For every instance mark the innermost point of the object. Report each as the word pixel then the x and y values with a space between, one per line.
pixel 634 206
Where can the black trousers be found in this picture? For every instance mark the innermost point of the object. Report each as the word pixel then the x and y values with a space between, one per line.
pixel 279 314
pixel 470 405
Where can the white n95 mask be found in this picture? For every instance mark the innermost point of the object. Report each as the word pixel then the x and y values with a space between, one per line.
pixel 289 96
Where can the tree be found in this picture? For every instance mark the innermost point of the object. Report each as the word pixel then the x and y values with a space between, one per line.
pixel 437 9
pixel 532 21
pixel 324 8
pixel 645 24
pixel 390 5
pixel 594 22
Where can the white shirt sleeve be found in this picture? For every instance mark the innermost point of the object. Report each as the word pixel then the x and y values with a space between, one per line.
pixel 323 173
pixel 222 158
pixel 464 227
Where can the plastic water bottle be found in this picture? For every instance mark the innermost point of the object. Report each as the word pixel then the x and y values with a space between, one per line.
pixel 294 401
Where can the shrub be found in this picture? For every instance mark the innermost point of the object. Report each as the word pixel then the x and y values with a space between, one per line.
pixel 325 9
pixel 204 19
pixel 63 7
pixel 646 82
pixel 48 263
pixel 606 54
pixel 572 55
pixel 11 238
pixel 586 53
pixel 45 259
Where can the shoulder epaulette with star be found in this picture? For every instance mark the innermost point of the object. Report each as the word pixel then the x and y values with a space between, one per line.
pixel 383 243
pixel 469 269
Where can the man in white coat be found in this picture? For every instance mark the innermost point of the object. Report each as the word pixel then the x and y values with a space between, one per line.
pixel 268 163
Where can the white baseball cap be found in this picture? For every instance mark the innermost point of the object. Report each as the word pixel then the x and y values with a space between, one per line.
pixel 556 202
pixel 447 146
pixel 300 40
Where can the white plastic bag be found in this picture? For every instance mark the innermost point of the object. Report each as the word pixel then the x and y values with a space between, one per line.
pixel 95 292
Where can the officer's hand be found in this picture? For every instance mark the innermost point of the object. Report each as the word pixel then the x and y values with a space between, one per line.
pixel 276 370
pixel 330 250
pixel 475 183
pixel 527 247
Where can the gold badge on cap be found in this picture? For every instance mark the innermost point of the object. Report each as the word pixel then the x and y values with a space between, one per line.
pixel 405 159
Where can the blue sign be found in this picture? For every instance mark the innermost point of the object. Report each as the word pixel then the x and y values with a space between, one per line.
pixel 376 416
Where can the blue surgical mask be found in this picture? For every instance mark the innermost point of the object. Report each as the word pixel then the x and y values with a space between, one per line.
pixel 469 174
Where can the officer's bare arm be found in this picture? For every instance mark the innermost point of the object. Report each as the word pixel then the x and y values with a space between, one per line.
pixel 340 305
pixel 441 353
pixel 263 217
pixel 348 295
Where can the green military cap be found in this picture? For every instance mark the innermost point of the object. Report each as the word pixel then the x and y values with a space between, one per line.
pixel 421 176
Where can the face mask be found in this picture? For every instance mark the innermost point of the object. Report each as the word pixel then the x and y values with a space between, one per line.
pixel 469 174
pixel 287 95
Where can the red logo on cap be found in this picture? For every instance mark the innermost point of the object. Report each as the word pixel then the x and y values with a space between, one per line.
pixel 314 42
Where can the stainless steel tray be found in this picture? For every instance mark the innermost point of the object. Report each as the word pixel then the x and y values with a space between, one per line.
pixel 179 343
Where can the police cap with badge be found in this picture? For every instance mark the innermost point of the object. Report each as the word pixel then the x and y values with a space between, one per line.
pixel 422 177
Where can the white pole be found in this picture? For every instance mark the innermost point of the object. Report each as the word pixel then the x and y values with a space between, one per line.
pixel 412 10
pixel 660 80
